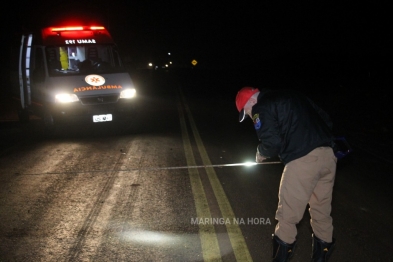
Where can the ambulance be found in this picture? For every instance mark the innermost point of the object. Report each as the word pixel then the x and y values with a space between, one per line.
pixel 73 73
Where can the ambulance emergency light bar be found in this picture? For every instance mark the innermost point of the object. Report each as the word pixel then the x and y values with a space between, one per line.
pixel 60 29
pixel 59 35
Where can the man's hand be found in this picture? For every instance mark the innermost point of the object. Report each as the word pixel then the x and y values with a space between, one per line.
pixel 259 158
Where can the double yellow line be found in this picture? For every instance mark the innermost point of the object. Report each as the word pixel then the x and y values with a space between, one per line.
pixel 210 246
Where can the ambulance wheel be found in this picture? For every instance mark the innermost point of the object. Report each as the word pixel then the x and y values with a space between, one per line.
pixel 23 115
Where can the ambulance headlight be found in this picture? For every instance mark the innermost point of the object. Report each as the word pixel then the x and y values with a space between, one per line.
pixel 128 93
pixel 66 98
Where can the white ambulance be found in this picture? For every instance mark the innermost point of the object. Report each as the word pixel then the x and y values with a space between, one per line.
pixel 73 73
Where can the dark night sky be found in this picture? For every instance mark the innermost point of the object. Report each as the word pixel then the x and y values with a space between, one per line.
pixel 237 30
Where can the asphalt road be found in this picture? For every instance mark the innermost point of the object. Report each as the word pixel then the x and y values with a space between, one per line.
pixel 123 192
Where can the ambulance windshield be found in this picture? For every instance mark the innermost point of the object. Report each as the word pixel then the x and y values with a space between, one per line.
pixel 83 59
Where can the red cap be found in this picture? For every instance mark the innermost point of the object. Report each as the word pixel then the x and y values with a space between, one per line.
pixel 242 98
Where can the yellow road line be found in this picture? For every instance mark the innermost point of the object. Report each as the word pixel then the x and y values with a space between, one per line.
pixel 235 234
pixel 209 242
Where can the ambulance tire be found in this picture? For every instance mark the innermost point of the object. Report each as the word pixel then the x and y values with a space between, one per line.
pixel 23 115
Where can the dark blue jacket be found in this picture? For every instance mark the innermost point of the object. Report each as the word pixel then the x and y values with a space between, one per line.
pixel 289 124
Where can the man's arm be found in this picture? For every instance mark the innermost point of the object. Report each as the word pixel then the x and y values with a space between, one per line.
pixel 268 134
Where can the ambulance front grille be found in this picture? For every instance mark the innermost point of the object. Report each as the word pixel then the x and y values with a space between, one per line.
pixel 97 100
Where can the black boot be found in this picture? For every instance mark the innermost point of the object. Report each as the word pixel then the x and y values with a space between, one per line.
pixel 282 251
pixel 321 250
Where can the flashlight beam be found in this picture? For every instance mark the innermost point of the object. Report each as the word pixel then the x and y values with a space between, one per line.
pixel 161 168
pixel 207 166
